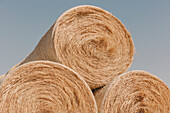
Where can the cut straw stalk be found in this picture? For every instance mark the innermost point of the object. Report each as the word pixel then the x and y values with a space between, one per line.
pixel 89 40
pixel 45 87
pixel 134 92
pixel 1 78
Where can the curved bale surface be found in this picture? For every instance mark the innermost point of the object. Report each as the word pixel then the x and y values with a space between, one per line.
pixel 89 40
pixel 45 87
pixel 134 92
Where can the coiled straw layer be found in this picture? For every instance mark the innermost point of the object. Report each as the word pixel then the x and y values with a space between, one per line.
pixel 45 87
pixel 134 92
pixel 89 40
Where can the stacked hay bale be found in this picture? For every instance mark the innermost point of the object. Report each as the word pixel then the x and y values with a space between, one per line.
pixel 89 40
pixel 134 92
pixel 86 49
pixel 45 87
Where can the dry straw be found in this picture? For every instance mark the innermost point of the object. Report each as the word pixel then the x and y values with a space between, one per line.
pixel 89 40
pixel 45 87
pixel 1 78
pixel 134 92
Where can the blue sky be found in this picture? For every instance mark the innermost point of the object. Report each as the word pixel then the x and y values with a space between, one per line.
pixel 23 23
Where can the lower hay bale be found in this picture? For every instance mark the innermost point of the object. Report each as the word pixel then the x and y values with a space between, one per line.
pixel 45 87
pixel 134 92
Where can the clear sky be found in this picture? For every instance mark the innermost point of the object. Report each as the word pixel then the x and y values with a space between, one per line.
pixel 24 22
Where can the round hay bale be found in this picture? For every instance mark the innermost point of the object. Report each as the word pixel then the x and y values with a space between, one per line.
pixel 89 40
pixel 45 87
pixel 134 92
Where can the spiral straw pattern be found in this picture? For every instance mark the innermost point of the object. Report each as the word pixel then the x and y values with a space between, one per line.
pixel 45 87
pixel 134 92
pixel 89 40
